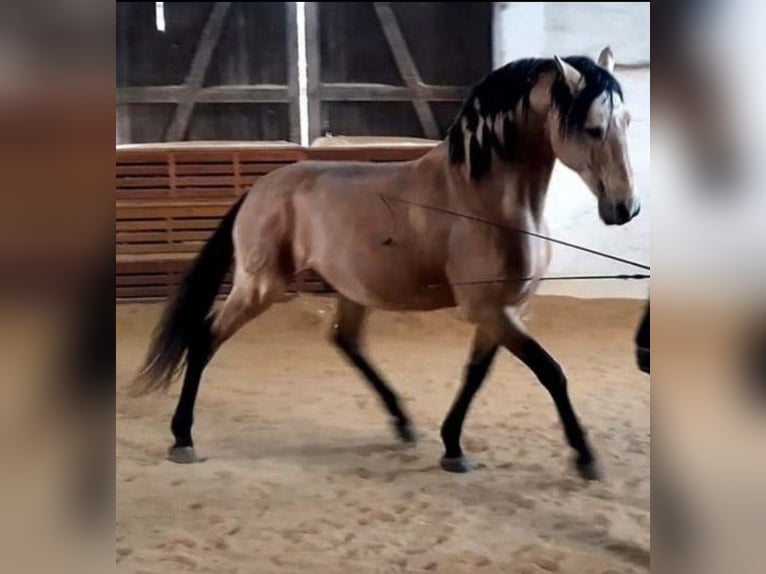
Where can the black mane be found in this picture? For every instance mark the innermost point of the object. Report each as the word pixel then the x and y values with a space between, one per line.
pixel 503 89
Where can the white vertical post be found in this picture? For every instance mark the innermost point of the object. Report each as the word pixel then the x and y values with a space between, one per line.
pixel 302 72
pixel 159 16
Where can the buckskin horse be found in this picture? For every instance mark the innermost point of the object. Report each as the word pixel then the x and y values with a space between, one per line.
pixel 363 228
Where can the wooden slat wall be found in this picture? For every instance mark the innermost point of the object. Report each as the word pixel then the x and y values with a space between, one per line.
pixel 169 200
pixel 393 68
pixel 223 70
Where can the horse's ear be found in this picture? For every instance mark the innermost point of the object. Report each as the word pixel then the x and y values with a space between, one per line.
pixel 606 59
pixel 571 75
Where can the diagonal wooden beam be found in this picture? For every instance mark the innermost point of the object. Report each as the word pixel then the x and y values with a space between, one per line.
pixel 407 67
pixel 196 76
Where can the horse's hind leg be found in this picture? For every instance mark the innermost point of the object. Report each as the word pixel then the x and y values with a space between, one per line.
pixel 243 304
pixel 346 335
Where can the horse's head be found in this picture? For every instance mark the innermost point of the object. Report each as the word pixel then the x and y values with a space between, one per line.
pixel 588 125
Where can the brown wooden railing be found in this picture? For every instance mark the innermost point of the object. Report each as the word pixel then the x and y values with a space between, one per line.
pixel 170 198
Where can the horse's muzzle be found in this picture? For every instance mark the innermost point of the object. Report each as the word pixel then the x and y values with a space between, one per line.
pixel 618 212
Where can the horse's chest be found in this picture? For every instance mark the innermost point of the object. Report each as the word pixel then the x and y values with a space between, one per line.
pixel 527 246
pixel 528 256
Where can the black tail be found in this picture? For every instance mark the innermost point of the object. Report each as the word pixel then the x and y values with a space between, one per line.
pixel 186 316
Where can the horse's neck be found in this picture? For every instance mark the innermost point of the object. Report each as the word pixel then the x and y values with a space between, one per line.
pixel 507 189
pixel 524 180
pixel 520 186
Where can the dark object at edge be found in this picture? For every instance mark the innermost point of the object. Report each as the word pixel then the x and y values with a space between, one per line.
pixel 642 343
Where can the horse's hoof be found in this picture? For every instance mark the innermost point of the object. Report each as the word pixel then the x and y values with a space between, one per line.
pixel 458 464
pixel 406 433
pixel 184 455
pixel 589 469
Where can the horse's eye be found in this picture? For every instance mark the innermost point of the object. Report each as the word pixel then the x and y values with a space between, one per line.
pixel 595 133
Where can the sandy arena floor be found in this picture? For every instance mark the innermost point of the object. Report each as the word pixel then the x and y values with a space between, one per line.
pixel 305 476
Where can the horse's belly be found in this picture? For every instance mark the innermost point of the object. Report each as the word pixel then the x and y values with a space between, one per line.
pixel 388 279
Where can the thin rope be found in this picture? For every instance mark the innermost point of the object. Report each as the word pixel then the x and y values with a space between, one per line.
pixel 524 231
pixel 636 276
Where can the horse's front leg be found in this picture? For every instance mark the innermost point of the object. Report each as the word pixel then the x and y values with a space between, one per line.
pixel 515 338
pixel 483 352
pixel 506 330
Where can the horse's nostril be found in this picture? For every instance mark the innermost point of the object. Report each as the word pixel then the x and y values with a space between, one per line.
pixel 622 212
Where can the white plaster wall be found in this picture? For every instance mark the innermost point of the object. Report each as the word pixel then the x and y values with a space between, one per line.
pixel 586 27
pixel 517 31
pixel 523 29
